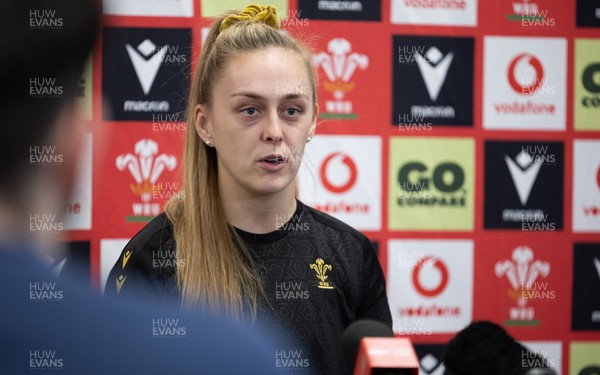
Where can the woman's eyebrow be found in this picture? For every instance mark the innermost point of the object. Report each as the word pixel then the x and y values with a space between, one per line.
pixel 296 96
pixel 254 95
pixel 248 94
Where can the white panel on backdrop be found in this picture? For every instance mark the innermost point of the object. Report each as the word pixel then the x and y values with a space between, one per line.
pixel 79 206
pixel 204 34
pixel 550 350
pixel 427 12
pixel 524 83
pixel 341 175
pixel 430 285
pixel 110 250
pixel 586 186
pixel 160 8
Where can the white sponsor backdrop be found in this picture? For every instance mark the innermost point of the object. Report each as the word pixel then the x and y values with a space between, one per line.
pixel 586 189
pixel 163 8
pixel 81 198
pixel 419 12
pixel 456 256
pixel 551 350
pixel 499 52
pixel 347 157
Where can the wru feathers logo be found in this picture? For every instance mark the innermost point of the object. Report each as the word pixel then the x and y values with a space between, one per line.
pixel 321 268
pixel 339 66
pixel 145 167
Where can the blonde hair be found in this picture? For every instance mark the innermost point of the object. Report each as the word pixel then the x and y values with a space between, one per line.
pixel 218 272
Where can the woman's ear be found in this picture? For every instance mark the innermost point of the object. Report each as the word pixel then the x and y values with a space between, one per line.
pixel 201 123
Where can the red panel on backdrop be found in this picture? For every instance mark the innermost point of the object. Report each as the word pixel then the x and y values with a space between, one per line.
pixel 141 173
pixel 353 86
pixel 521 284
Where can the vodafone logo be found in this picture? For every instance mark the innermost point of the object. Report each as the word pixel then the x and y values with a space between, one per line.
pixel 530 93
pixel 429 288
pixel 338 159
pixel 434 12
pixel 525 86
pixel 586 186
pixel 342 179
pixel 434 263
pixel 593 210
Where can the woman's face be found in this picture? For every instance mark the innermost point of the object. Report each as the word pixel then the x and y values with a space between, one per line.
pixel 260 118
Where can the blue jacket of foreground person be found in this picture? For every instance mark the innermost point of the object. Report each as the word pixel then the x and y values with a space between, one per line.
pixel 46 325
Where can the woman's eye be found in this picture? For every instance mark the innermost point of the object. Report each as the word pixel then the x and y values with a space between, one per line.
pixel 249 111
pixel 292 111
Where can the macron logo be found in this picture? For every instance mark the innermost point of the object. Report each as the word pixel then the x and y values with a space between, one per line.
pixel 430 364
pixel 524 174
pixel 434 69
pixel 146 66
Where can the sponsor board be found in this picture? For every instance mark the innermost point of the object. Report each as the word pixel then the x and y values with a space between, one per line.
pixel 588 13
pixel 583 358
pixel 430 285
pixel 524 185
pixel 586 287
pixel 144 73
pixel 338 177
pixel 586 98
pixel 431 183
pixel 78 214
pixel 586 186
pixel 340 10
pixel 435 12
pixel 432 81
pixel 524 83
pixel 155 8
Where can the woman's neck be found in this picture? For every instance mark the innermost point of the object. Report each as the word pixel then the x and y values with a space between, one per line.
pixel 259 213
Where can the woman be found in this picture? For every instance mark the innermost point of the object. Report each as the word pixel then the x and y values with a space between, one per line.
pixel 237 241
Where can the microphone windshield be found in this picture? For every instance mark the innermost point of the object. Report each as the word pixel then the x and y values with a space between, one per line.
pixel 350 339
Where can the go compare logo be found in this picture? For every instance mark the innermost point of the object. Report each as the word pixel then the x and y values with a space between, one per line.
pixel 431 183
pixel 419 192
pixel 587 84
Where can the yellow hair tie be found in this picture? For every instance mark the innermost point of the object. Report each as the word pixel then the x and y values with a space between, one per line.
pixel 255 13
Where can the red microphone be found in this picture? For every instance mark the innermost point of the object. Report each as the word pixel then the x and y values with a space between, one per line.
pixel 372 348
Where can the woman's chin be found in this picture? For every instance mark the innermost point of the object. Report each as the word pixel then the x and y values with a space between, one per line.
pixel 273 186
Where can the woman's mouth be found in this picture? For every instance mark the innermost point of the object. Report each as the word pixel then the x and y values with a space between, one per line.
pixel 272 162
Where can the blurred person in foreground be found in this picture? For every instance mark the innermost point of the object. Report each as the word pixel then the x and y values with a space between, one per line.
pixel 46 325
pixel 486 348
